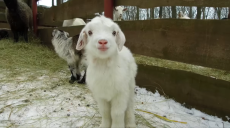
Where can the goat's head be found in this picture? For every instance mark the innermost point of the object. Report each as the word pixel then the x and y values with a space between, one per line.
pixel 119 11
pixel 180 14
pixel 60 34
pixel 12 5
pixel 101 37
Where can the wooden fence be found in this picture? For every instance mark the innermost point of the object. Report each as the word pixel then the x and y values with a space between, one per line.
pixel 199 42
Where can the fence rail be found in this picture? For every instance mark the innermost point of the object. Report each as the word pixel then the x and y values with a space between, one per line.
pixel 157 3
pixel 199 42
pixel 71 9
pixel 204 93
pixel 3 18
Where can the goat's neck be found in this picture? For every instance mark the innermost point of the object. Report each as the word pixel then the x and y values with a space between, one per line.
pixel 110 61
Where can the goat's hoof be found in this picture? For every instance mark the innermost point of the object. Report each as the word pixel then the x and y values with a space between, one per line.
pixel 73 78
pixel 71 81
pixel 81 82
pixel 78 77
pixel 130 126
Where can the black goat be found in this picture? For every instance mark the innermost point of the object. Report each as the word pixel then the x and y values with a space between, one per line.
pixel 19 16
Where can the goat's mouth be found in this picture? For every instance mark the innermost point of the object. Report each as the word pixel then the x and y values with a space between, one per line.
pixel 103 49
pixel 53 33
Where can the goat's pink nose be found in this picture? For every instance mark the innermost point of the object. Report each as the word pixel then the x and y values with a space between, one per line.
pixel 102 42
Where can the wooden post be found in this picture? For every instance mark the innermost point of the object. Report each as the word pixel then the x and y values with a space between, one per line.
pixel 229 13
pixel 108 8
pixel 59 2
pixel 52 3
pixel 34 7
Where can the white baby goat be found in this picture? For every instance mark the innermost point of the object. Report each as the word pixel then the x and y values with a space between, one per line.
pixel 118 12
pixel 73 22
pixel 181 15
pixel 110 73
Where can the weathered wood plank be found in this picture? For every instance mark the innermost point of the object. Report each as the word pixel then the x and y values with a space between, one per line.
pixel 2 10
pixel 58 23
pixel 207 94
pixel 2 4
pixel 2 17
pixel 49 23
pixel 4 25
pixel 71 9
pixel 41 9
pixel 157 3
pixel 198 42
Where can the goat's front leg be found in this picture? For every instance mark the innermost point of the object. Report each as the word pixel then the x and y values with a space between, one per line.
pixel 118 107
pixel 129 113
pixel 104 109
pixel 83 78
pixel 74 75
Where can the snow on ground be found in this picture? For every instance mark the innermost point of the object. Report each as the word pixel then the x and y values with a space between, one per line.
pixel 49 101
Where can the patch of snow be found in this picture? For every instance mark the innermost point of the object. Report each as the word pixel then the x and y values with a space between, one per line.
pixel 47 102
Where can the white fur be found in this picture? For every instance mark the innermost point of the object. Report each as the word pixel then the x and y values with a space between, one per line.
pixel 111 73
pixel 118 12
pixel 182 16
pixel 63 46
pixel 73 22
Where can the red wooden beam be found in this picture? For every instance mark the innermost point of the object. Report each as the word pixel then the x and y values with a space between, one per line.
pixel 108 8
pixel 34 7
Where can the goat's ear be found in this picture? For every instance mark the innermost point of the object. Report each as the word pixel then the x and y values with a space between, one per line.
pixel 125 9
pixel 115 8
pixel 120 39
pixel 82 40
pixel 66 34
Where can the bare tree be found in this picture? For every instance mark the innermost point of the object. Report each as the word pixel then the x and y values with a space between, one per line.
pixel 218 11
pixel 59 2
pixel 207 12
pixel 173 12
pixel 52 2
pixel 160 12
pixel 198 15
pixel 190 12
pixel 152 13
pixel 137 14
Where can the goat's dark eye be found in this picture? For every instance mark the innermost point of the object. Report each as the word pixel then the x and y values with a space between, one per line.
pixel 114 33
pixel 90 33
